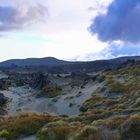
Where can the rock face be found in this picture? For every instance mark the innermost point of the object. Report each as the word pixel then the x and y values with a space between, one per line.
pixel 45 86
pixel 39 81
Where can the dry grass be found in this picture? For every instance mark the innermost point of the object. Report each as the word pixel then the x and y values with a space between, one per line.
pixel 25 124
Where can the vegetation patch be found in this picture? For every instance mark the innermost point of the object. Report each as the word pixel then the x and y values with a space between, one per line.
pixel 57 131
pixel 50 91
pixel 131 128
pixel 5 84
pixel 91 103
pixel 115 86
pixel 25 124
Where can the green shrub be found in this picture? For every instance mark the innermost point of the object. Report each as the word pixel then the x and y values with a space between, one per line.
pixel 4 134
pixel 115 86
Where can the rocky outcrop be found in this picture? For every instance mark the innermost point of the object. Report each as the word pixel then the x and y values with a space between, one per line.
pixel 39 80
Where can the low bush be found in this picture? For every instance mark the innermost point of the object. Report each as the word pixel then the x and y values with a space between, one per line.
pixel 131 128
pixel 89 104
pixel 4 134
pixel 57 131
pixel 25 124
pixel 87 133
pixel 50 91
pixel 115 86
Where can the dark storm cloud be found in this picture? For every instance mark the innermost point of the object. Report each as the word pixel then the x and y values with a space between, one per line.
pixel 16 18
pixel 121 22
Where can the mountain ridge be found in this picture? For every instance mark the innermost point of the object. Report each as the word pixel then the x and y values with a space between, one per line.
pixel 54 65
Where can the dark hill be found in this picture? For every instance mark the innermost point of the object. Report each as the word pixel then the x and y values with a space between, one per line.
pixel 53 65
pixel 47 61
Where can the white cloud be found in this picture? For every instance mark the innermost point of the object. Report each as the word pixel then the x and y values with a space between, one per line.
pixel 66 45
pixel 72 43
pixel 63 35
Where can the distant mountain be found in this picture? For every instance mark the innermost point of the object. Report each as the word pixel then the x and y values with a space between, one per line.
pixel 53 65
pixel 47 61
pixel 125 58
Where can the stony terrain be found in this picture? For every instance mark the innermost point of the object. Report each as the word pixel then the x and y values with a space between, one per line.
pixel 100 106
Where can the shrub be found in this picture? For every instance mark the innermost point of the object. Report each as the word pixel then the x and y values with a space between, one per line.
pixel 4 84
pixel 101 78
pixel 93 117
pixel 137 104
pixel 91 103
pixel 136 71
pixel 4 134
pixel 86 133
pixel 115 86
pixel 71 104
pixel 116 122
pixel 26 124
pixel 131 128
pixel 57 131
pixel 50 91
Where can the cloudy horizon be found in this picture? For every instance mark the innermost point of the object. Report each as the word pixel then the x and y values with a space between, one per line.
pixel 69 30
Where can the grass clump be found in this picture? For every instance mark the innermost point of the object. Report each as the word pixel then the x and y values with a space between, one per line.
pixel 4 134
pixel 115 86
pixel 131 128
pixel 88 132
pixel 57 131
pixel 91 103
pixel 116 122
pixel 50 91
pixel 25 124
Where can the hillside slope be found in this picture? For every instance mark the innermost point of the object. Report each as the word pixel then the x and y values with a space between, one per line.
pixel 108 104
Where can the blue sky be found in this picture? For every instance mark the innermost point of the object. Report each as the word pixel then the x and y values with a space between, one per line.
pixel 69 29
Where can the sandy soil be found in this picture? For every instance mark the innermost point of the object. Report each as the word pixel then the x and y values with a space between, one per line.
pixel 23 99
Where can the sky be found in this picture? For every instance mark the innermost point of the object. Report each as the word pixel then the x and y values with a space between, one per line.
pixel 78 30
